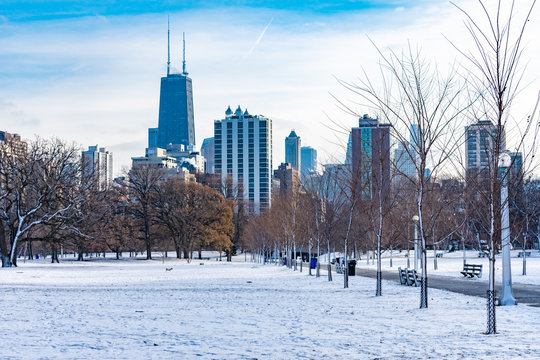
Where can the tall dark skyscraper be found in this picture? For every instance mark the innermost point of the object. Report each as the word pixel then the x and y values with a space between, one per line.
pixel 176 122
pixel 371 156
pixel 292 150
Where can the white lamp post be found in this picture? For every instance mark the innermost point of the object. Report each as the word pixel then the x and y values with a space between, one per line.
pixel 415 218
pixel 506 298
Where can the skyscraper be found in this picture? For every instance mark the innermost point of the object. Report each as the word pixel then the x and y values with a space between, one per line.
pixel 207 150
pixel 99 162
pixel 479 146
pixel 371 156
pixel 292 150
pixel 407 156
pixel 404 164
pixel 414 135
pixel 516 169
pixel 308 160
pixel 289 179
pixel 176 122
pixel 243 154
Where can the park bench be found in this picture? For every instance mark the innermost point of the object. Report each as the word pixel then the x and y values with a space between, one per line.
pixel 439 255
pixel 472 270
pixel 527 253
pixel 413 278
pixel 339 268
pixel 402 276
pixel 409 277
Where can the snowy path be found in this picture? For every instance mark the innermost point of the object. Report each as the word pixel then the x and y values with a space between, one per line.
pixel 138 310
pixel 452 263
pixel 524 293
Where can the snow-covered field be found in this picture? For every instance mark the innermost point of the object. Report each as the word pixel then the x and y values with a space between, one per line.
pixel 138 310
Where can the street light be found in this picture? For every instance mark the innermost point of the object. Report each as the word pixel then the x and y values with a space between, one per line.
pixel 415 218
pixel 506 298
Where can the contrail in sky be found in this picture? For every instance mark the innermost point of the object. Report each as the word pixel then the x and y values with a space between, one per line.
pixel 260 37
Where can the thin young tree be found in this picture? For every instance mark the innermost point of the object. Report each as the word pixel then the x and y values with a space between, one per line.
pixel 495 73
pixel 415 96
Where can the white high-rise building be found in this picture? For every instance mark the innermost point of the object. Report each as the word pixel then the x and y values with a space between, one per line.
pixel 243 154
pixel 99 161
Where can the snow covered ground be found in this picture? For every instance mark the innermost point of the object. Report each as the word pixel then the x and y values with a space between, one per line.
pixel 137 309
pixel 452 263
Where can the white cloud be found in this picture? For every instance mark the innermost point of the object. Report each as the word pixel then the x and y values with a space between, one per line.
pixel 96 80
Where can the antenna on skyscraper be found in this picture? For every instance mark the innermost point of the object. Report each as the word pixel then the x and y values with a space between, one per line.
pixel 168 47
pixel 184 54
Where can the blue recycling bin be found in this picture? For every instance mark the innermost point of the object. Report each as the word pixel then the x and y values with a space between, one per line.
pixel 37 256
pixel 313 263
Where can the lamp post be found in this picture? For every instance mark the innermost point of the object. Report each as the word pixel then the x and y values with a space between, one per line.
pixel 507 298
pixel 408 254
pixel 415 218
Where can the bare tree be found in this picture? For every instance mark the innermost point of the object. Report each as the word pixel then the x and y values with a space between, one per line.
pixel 36 187
pixel 495 74
pixel 143 182
pixel 415 96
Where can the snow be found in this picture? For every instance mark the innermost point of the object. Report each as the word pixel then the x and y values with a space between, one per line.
pixel 137 309
pixel 452 263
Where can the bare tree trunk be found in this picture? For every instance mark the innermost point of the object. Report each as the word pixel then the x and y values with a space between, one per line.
pixel 346 269
pixel 294 247
pixel 30 252
pixel 309 257
pixel 491 321
pixel 424 283
pixel 147 239
pixel 434 256
pixel 329 266
pixel 524 272
pixel 464 251
pixel 6 262
pixel 317 264
pixel 378 291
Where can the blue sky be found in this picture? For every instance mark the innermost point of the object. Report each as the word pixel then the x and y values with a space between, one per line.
pixel 16 10
pixel 89 71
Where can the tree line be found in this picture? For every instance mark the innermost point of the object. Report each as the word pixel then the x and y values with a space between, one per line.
pixel 52 201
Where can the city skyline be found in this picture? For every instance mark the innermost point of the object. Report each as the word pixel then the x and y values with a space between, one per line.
pixel 119 53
